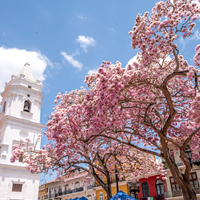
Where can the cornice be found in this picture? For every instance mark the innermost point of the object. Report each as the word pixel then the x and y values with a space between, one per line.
pixel 23 88
pixel 15 169
pixel 24 123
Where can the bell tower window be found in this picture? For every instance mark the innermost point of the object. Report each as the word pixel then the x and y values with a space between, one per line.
pixel 4 107
pixel 27 106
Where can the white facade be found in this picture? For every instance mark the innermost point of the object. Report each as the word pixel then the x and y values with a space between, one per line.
pixel 19 119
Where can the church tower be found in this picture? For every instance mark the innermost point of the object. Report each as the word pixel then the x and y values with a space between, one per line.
pixel 19 119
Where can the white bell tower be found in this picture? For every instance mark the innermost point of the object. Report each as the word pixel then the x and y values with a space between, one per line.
pixel 19 119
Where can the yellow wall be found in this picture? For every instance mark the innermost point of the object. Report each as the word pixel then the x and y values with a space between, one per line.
pixel 123 188
pixel 42 191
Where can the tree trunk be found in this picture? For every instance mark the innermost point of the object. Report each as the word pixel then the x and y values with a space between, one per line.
pixel 106 186
pixel 109 193
pixel 181 179
pixel 188 192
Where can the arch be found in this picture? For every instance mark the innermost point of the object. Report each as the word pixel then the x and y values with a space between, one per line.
pixel 89 197
pixel 159 187
pixel 66 187
pixel 77 185
pixel 145 189
pixel 4 107
pixel 27 106
pixel 101 196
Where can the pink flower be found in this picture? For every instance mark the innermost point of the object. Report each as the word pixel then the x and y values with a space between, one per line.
pixel 144 76
pixel 197 47
pixel 194 17
pixel 190 75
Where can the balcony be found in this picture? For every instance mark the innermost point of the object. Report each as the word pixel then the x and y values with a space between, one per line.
pixel 70 191
pixel 170 194
pixel 91 186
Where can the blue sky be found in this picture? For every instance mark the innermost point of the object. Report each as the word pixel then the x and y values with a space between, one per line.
pixel 65 40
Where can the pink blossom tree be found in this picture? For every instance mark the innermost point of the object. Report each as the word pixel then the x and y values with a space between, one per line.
pixel 154 103
pixel 68 148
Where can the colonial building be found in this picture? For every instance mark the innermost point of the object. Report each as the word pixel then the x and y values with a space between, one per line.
pixel 173 190
pixel 73 187
pixel 122 185
pixel 19 119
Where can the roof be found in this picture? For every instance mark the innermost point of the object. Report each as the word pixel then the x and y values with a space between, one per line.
pixel 26 71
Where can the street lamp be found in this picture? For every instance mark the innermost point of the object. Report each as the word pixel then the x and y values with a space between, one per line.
pixel 132 187
pixel 188 155
pixel 116 179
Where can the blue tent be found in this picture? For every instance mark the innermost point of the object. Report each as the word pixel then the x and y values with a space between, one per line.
pixel 81 198
pixel 123 196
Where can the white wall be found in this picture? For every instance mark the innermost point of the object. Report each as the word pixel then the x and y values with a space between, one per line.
pixel 16 125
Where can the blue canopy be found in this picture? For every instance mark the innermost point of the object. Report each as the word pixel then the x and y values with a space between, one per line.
pixel 81 198
pixel 123 196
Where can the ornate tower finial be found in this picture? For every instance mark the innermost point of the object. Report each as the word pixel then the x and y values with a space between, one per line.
pixel 26 64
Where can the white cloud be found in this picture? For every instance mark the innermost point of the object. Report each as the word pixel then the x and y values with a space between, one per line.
pixel 130 62
pixel 82 17
pixel 12 61
pixel 71 60
pixel 194 1
pixel 85 41
pixel 196 36
pixel 92 71
pixel 112 30
pixel 134 59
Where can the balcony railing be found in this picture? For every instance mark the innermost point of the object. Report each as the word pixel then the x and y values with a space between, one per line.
pixel 91 186
pixel 70 191
pixel 53 195
pixel 179 193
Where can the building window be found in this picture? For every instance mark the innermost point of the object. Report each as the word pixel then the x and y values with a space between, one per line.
pixel 16 187
pixel 193 180
pixel 27 106
pixel 174 185
pixel 29 86
pixel 49 192
pixel 101 197
pixel 159 187
pixel 145 189
pixel 60 189
pixel 4 107
pixel 66 187
pixel 77 185
pixel 55 190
